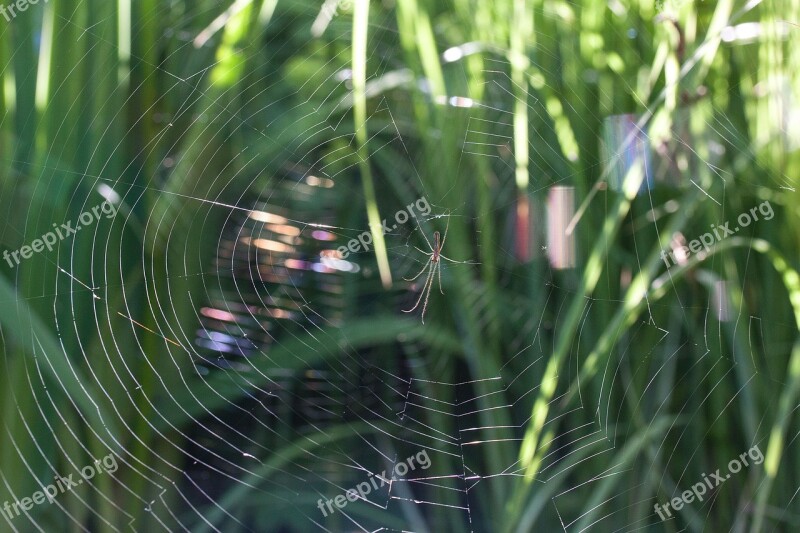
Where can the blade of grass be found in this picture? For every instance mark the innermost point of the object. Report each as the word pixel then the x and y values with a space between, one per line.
pixel 359 62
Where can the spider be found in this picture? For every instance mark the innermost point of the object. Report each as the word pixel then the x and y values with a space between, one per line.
pixel 433 266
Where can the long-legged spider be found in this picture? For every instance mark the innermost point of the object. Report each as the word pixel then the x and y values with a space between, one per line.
pixel 433 266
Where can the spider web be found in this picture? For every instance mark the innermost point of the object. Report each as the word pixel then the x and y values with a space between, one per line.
pixel 265 373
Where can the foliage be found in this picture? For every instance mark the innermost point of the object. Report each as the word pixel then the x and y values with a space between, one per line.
pixel 173 101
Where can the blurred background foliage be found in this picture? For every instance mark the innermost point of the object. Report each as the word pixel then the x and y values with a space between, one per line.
pixel 622 382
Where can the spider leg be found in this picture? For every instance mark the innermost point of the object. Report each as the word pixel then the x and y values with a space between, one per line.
pixel 458 262
pixel 447 227
pixel 421 294
pixel 420 272
pixel 426 240
pixel 428 294
pixel 423 251
pixel 439 271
